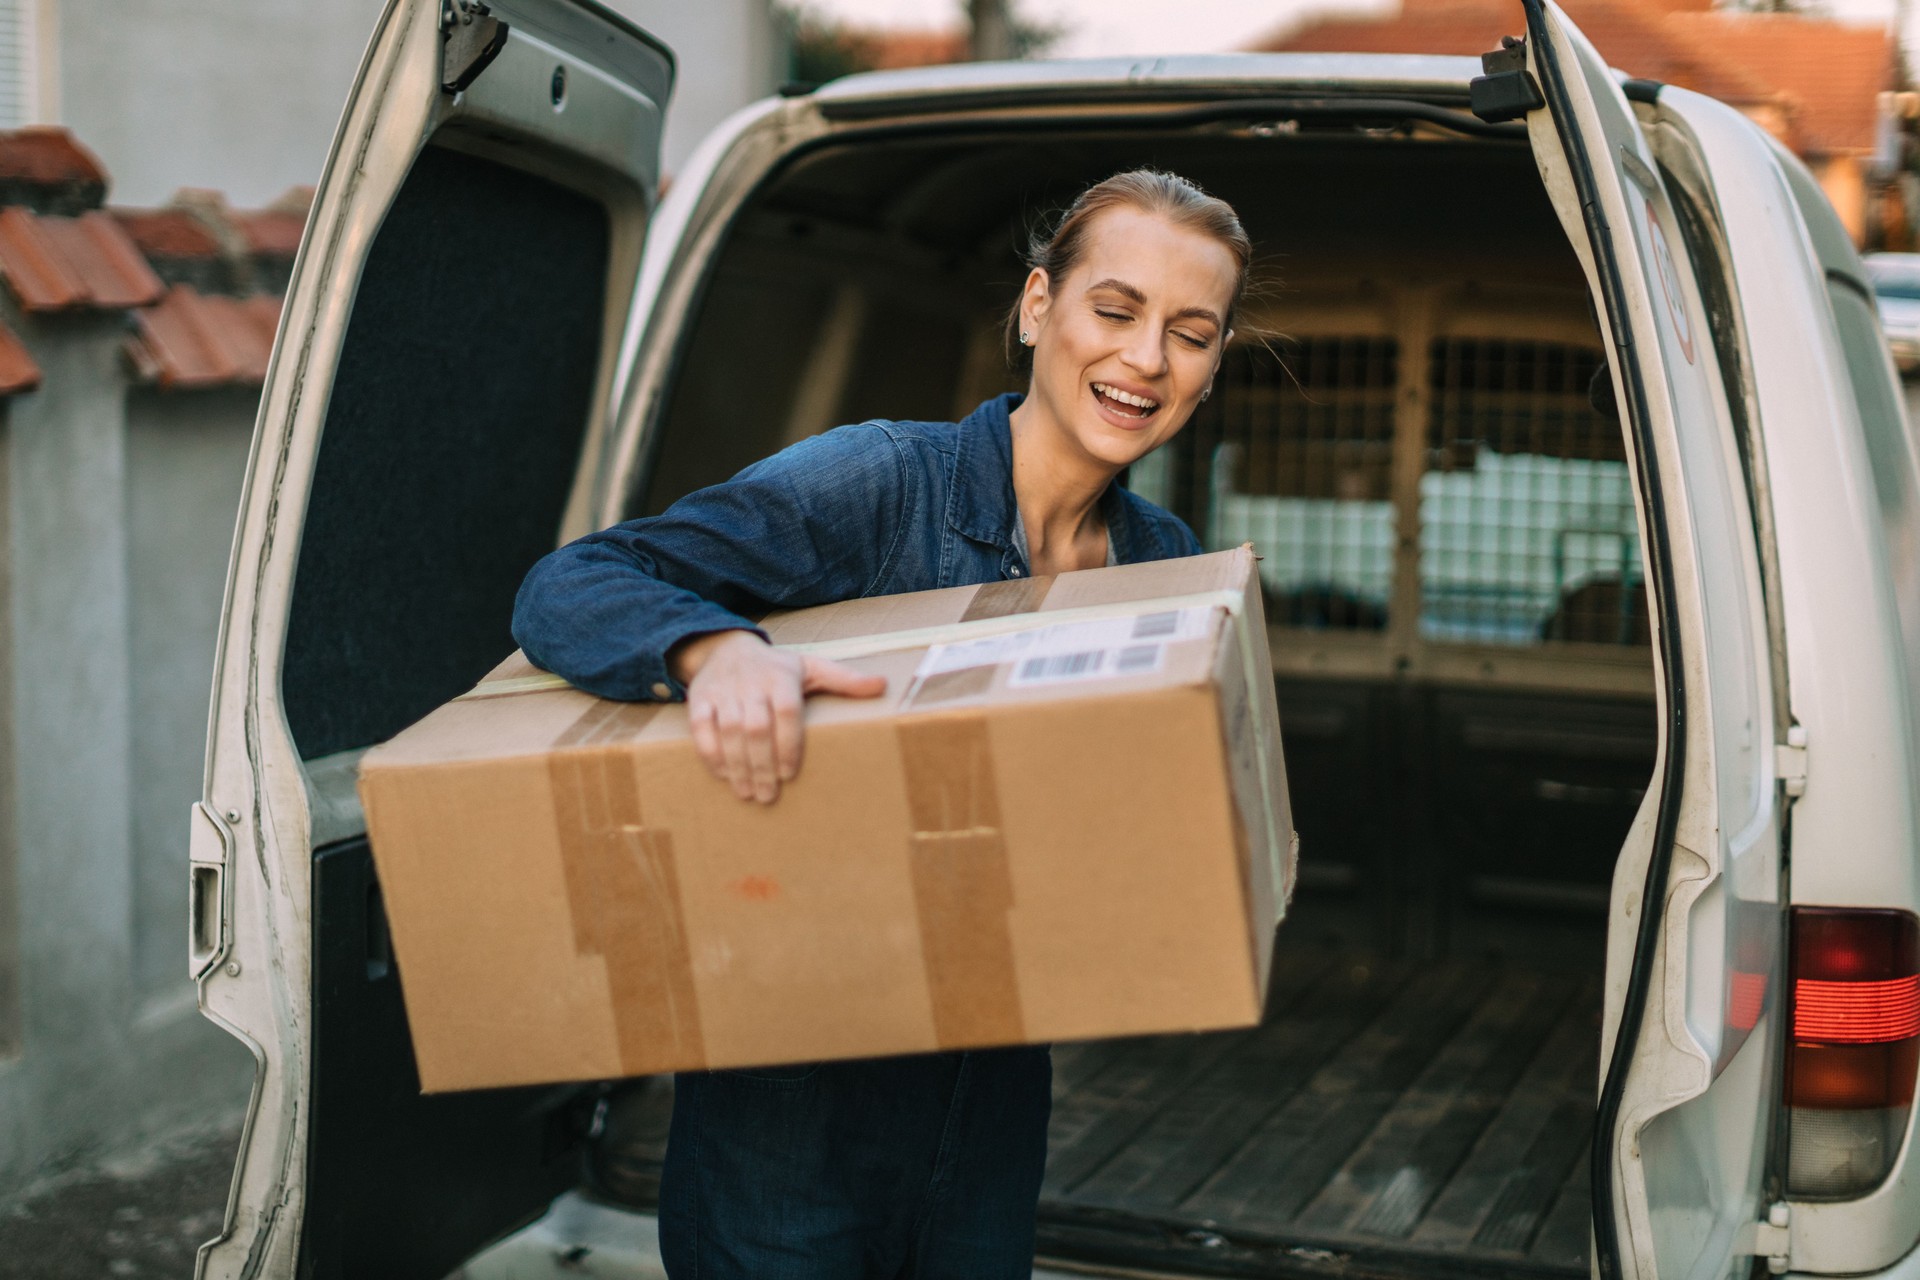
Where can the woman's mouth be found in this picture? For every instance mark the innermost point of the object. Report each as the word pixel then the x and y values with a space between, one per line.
pixel 1124 404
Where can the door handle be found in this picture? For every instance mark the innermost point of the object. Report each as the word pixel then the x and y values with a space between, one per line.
pixel 209 849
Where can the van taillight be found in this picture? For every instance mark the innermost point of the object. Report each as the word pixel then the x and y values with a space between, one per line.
pixel 1854 1053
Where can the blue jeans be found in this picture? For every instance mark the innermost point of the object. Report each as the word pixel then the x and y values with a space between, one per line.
pixel 918 1168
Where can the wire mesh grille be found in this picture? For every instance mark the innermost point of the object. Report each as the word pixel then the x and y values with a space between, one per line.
pixel 1527 530
pixel 1526 515
pixel 1297 458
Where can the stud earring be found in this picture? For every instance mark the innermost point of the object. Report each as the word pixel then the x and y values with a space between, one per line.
pixel 1026 339
pixel 1206 393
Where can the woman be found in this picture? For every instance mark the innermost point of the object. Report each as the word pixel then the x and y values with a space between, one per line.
pixel 924 1166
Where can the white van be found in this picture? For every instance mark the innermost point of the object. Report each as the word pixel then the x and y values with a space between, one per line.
pixel 1603 710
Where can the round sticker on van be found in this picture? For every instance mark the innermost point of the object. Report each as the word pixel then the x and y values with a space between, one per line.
pixel 1669 273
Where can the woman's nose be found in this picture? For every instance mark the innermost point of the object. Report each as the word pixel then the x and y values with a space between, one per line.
pixel 1146 352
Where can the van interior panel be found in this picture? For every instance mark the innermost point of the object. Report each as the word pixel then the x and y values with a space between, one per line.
pixel 453 432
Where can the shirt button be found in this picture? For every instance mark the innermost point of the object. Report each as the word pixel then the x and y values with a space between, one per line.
pixel 661 689
pixel 1014 572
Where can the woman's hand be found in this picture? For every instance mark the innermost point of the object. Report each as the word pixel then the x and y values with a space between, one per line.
pixel 744 700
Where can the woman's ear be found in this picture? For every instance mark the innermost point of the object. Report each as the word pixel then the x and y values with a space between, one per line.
pixel 1035 301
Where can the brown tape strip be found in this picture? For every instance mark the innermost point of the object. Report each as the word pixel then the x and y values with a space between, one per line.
pixel 950 686
pixel 962 885
pixel 1014 595
pixel 624 896
pixel 608 721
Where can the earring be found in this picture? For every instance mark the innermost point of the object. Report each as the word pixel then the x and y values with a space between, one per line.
pixel 1206 393
pixel 1026 339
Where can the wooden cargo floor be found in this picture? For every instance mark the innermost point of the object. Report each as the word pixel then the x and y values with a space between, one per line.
pixel 1436 1109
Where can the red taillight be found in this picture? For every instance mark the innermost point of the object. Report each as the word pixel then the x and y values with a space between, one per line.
pixel 1856 1012
pixel 1854 1054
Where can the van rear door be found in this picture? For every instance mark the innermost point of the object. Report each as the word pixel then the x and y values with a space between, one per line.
pixel 1691 1044
pixel 431 424
pixel 1836 458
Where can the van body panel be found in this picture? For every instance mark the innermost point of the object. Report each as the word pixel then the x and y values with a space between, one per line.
pixel 1849 583
pixel 565 118
pixel 1692 993
pixel 1084 81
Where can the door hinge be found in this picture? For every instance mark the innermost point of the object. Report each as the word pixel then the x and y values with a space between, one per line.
pixel 1771 1239
pixel 471 38
pixel 1508 90
pixel 1790 761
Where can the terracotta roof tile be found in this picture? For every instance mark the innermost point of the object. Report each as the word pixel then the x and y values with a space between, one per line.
pixel 46 168
pixel 191 341
pixel 18 369
pixel 53 264
pixel 1637 36
pixel 1827 75
pixel 891 48
pixel 270 232
pixel 167 233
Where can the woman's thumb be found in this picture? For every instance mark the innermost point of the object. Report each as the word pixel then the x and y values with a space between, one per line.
pixel 818 675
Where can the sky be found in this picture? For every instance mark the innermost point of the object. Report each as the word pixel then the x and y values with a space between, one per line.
pixel 1096 27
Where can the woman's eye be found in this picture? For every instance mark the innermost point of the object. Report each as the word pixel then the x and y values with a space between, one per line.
pixel 1193 340
pixel 1111 315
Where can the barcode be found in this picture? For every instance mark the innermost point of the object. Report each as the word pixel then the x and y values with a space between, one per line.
pixel 1151 626
pixel 1138 657
pixel 1061 666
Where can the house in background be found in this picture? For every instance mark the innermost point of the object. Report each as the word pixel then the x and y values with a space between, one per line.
pixel 1825 89
pixel 241 96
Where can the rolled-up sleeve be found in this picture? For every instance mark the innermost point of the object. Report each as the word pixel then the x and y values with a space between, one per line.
pixel 814 523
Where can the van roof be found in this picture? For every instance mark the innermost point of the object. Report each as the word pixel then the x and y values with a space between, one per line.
pixel 958 85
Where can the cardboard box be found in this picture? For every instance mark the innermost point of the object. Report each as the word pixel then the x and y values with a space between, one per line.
pixel 1066 819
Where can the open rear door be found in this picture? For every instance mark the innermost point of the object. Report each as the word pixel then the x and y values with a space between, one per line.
pixel 1691 1042
pixel 431 425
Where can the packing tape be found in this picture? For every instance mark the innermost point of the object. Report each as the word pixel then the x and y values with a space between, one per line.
pixel 623 891
pixel 1000 625
pixel 962 883
pixel 971 626
pixel 1008 596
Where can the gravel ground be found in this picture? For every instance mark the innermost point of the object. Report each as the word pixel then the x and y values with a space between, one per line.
pixel 142 1215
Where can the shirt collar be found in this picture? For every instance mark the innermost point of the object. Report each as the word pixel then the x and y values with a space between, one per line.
pixel 981 504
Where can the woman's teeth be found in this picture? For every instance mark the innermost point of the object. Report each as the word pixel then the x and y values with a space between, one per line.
pixel 1119 397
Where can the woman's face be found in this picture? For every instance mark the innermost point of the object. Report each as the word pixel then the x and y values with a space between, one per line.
pixel 1126 344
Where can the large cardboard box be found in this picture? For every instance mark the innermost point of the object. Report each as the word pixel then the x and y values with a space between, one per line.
pixel 1067 818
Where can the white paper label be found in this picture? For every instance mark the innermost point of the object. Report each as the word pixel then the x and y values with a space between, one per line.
pixel 1074 650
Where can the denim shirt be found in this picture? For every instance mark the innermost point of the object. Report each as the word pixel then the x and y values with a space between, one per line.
pixel 873 509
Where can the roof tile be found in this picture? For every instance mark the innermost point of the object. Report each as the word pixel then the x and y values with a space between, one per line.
pixel 1826 73
pixel 54 264
pixel 45 168
pixel 18 369
pixel 191 341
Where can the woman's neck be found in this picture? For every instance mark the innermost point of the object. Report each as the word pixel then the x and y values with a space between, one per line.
pixel 1058 489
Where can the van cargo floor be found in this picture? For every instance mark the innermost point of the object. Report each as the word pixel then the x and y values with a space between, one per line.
pixel 1428 1118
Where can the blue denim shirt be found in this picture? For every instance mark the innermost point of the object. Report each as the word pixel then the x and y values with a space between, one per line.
pixel 867 510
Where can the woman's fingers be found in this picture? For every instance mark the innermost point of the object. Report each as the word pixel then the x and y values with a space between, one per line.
pixel 756 730
pixel 729 725
pixel 789 732
pixel 706 739
pixel 819 675
pixel 746 713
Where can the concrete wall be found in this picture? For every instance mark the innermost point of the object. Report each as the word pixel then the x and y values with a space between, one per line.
pixel 241 96
pixel 186 455
pixel 102 747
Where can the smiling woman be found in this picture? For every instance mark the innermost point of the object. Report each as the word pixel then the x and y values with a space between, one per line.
pixel 931 1165
pixel 1127 307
